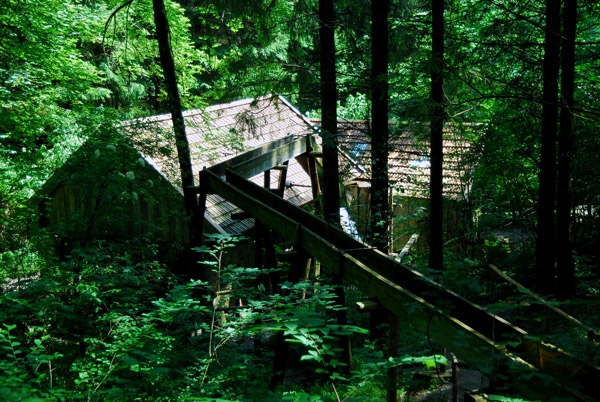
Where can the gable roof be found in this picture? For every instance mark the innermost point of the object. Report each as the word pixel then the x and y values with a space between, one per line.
pixel 215 134
pixel 408 157
pixel 218 133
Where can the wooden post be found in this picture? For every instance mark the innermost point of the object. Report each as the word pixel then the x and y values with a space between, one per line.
pixel 342 319
pixel 493 286
pixel 281 352
pixel 455 387
pixel 201 209
pixel 392 351
pixel 312 172
pixel 309 263
pixel 282 179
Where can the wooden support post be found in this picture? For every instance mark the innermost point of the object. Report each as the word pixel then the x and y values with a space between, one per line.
pixel 201 210
pixel 267 179
pixel 493 286
pixel 271 259
pixel 258 245
pixel 309 263
pixel 313 173
pixel 455 384
pixel 282 179
pixel 281 346
pixel 377 318
pixel 317 274
pixel 591 344
pixel 342 320
pixel 392 351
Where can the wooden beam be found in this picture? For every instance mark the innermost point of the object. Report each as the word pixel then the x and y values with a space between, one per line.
pixel 544 303
pixel 250 167
pixel 258 210
pixel 220 168
pixel 366 306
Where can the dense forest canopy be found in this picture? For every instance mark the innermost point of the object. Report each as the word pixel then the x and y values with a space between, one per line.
pixel 71 70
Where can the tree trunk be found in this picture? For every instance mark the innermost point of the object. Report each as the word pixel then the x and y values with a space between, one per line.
pixel 331 191
pixel 545 253
pixel 436 256
pixel 380 214
pixel 183 149
pixel 564 257
pixel 331 187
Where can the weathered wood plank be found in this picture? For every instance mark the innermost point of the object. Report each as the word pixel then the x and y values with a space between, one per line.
pixel 58 204
pixel 275 157
pixel 220 168
pixel 261 212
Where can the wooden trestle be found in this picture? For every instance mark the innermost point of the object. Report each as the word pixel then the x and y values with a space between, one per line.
pixel 475 335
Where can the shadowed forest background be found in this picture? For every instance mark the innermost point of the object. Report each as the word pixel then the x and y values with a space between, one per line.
pixel 131 319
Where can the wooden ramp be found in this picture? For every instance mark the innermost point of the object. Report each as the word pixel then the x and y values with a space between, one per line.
pixel 466 329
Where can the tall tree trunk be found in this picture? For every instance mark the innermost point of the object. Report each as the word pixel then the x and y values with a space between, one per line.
pixel 564 257
pixel 331 187
pixel 380 208
pixel 331 191
pixel 545 255
pixel 380 213
pixel 183 149
pixel 436 255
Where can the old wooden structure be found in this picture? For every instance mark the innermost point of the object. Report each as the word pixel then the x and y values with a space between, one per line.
pixel 256 181
pixel 408 167
pixel 128 186
pixel 478 337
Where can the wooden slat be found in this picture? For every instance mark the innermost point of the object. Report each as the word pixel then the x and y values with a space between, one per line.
pixel 58 204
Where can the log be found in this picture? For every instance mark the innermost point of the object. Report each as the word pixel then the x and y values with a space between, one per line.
pixel 591 331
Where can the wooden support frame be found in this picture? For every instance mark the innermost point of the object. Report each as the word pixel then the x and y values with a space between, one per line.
pixel 431 308
pixel 251 166
pixel 282 178
pixel 220 168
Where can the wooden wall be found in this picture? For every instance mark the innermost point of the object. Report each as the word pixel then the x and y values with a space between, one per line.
pixel 409 216
pixel 113 197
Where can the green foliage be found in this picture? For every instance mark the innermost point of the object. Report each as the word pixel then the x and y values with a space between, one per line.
pixel 109 324
pixel 112 323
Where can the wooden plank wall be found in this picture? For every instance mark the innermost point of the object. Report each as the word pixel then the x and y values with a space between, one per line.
pixel 71 210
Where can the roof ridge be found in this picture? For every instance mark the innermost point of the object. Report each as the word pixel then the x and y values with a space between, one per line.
pixel 208 109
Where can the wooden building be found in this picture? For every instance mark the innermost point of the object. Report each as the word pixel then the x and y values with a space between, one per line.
pixel 129 186
pixel 408 164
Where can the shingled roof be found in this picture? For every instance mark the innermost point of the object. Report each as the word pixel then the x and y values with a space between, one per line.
pixel 408 159
pixel 218 133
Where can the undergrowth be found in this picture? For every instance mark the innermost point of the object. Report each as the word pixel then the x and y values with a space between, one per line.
pixel 107 325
